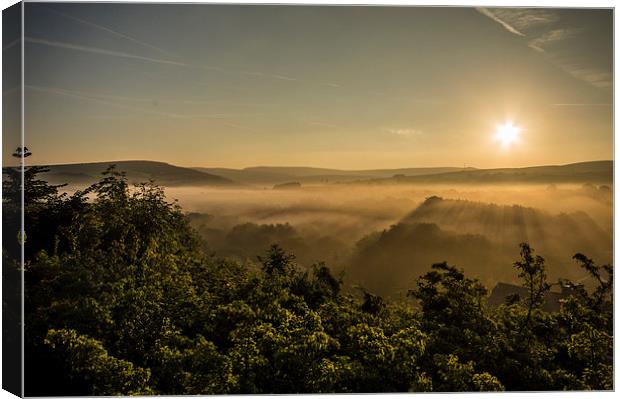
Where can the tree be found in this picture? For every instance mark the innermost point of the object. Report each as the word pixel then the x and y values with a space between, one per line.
pixel 453 310
pixel 45 210
pixel 90 361
pixel 277 261
pixel 532 270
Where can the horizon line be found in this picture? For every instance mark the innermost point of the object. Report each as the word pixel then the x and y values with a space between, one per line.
pixel 313 167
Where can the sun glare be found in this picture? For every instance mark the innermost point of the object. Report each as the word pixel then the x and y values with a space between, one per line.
pixel 507 134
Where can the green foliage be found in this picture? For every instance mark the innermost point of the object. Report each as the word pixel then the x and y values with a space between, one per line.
pixel 532 270
pixel 454 376
pixel 90 361
pixel 586 323
pixel 43 208
pixel 453 312
pixel 121 299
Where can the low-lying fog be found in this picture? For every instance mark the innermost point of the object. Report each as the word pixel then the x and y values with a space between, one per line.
pixel 384 237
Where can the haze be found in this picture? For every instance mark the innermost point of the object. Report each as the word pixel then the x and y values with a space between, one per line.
pixel 383 237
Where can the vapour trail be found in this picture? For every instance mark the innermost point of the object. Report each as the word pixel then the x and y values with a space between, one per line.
pixel 113 32
pixel 97 50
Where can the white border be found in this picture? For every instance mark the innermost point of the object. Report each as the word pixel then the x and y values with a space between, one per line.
pixel 463 3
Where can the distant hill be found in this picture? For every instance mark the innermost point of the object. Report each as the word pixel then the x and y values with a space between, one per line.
pixel 561 234
pixel 595 172
pixel 390 261
pixel 282 174
pixel 287 186
pixel 480 237
pixel 137 171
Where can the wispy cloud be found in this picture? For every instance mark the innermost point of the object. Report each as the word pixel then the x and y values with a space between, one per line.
pixel 16 89
pixel 282 77
pixel 591 75
pixel 114 53
pixel 581 105
pixel 496 18
pixel 404 132
pixel 177 60
pixel 519 20
pixel 11 45
pixel 323 124
pixel 154 100
pixel 67 93
pixel 162 61
pixel 120 54
pixel 551 37
pixel 540 25
pixel 116 104
pixel 113 32
pixel 241 127
pixel 268 75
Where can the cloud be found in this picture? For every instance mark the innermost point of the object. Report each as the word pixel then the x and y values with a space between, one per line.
pixel 151 100
pixel 519 20
pixel 233 125
pixel 591 75
pixel 267 75
pixel 10 45
pixel 120 54
pixel 494 17
pixel 115 104
pixel 282 77
pixel 404 132
pixel 114 53
pixel 322 124
pixel 113 32
pixel 541 26
pixel 550 37
pixel 581 105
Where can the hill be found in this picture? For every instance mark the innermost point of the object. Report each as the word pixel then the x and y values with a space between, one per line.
pixel 137 171
pixel 595 172
pixel 480 237
pixel 509 224
pixel 281 174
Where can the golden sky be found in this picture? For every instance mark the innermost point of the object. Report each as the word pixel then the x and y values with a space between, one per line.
pixel 340 87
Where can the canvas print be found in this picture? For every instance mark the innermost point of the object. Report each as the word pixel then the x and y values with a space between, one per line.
pixel 280 199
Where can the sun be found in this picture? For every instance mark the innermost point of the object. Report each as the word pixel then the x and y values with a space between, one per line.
pixel 507 134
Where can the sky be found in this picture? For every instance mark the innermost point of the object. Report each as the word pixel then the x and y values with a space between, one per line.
pixel 326 86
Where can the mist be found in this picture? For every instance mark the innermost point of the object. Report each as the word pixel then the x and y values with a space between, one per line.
pixel 384 237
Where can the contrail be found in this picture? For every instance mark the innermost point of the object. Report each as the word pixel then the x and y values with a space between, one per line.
pixel 581 105
pixel 113 32
pixel 86 96
pixel 97 100
pixel 239 127
pixel 506 25
pixel 150 100
pixel 13 43
pixel 120 54
pixel 11 90
pixel 97 95
pixel 268 75
pixel 96 50
pixel 282 77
